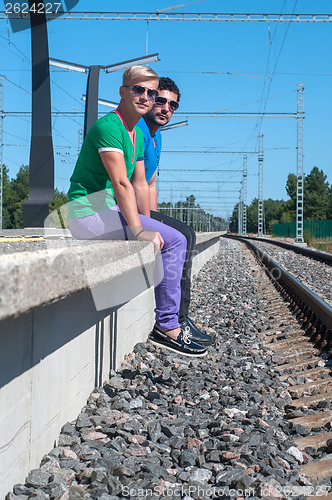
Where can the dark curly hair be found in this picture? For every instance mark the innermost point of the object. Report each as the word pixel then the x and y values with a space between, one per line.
pixel 166 83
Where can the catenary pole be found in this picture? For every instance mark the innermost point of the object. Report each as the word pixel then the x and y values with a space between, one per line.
pixel 244 197
pixel 299 164
pixel 260 185
pixel 240 213
pixel 91 105
pixel 41 164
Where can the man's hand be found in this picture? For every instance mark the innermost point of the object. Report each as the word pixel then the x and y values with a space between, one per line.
pixel 153 236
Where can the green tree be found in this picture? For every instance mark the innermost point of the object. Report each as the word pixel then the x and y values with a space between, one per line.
pixel 18 192
pixel 5 197
pixel 252 217
pixel 288 213
pixel 233 221
pixel 272 213
pixel 329 204
pixel 291 187
pixel 59 209
pixel 316 195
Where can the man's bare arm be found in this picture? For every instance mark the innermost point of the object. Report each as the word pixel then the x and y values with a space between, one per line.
pixel 153 193
pixel 125 197
pixel 141 189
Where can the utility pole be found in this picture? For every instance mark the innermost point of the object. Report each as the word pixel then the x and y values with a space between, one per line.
pixel 299 164
pixel 260 185
pixel 1 149
pixel 244 197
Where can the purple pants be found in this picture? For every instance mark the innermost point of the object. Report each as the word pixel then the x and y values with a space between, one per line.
pixel 111 225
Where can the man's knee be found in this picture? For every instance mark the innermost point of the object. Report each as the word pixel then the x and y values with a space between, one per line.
pixel 179 239
pixel 190 236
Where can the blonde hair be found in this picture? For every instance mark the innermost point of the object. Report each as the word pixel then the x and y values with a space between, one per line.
pixel 138 71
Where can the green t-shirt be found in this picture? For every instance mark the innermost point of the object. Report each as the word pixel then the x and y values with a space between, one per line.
pixel 90 186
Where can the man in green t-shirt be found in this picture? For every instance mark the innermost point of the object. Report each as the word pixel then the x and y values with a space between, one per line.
pixel 109 199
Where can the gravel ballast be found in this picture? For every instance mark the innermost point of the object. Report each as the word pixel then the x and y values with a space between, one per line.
pixel 168 426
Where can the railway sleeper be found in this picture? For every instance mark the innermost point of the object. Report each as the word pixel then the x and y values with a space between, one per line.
pixel 298 355
pixel 318 470
pixel 312 374
pixel 312 362
pixel 295 341
pixel 316 441
pixel 319 386
pixel 319 419
pixel 277 332
pixel 312 401
pixel 321 497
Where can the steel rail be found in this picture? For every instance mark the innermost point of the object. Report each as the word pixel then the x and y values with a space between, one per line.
pixel 307 252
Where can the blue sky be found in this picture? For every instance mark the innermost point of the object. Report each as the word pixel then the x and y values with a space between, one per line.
pixel 219 66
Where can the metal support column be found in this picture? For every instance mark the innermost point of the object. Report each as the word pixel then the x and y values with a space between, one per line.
pixel 91 104
pixel 41 165
pixel 1 149
pixel 260 185
pixel 244 197
pixel 299 164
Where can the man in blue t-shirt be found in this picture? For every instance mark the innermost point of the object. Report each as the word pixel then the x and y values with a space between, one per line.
pixel 164 106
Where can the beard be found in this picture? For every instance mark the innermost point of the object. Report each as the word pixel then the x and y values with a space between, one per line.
pixel 156 119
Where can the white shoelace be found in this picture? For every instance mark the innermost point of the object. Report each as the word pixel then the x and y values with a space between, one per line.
pixel 187 335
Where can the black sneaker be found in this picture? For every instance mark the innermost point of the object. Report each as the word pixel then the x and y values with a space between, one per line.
pixel 182 345
pixel 197 335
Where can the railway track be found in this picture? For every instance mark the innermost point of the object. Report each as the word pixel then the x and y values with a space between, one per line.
pixel 300 338
pixel 308 252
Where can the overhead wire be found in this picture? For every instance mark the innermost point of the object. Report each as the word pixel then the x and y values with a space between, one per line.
pixel 268 83
pixel 260 120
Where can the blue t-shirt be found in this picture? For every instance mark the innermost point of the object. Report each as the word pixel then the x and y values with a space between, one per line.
pixel 151 149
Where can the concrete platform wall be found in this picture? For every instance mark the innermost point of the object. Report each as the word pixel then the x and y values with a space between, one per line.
pixel 56 350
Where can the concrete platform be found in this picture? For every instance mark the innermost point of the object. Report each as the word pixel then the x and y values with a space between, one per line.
pixel 69 313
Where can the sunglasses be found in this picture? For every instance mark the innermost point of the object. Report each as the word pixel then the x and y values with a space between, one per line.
pixel 139 90
pixel 161 101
